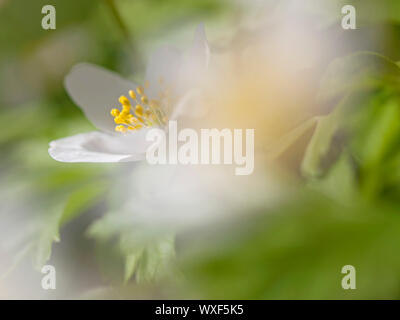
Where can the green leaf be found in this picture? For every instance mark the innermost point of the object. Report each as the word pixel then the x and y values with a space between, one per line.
pixel 156 260
pixel 147 253
pixel 376 145
pixel 384 132
pixel 131 262
pixel 359 71
pixel 66 209
pixel 109 225
pixel 340 181
pixel 321 141
pixel 46 235
pixel 82 199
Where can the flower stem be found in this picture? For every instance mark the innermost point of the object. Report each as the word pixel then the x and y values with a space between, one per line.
pixel 121 24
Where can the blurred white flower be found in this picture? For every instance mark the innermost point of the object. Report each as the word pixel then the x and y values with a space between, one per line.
pixel 170 77
pixel 181 197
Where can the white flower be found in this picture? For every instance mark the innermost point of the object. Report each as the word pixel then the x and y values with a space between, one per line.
pixel 180 197
pixel 170 76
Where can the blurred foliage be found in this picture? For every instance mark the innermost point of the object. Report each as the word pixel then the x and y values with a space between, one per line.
pixel 346 211
pixel 300 254
pixel 40 197
pixel 147 254
pixel 348 214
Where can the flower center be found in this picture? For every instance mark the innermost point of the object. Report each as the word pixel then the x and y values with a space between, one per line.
pixel 142 113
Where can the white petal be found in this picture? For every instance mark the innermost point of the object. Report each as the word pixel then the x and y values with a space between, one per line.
pixel 199 52
pixel 164 64
pixel 192 73
pixel 96 91
pixel 100 147
pixel 194 64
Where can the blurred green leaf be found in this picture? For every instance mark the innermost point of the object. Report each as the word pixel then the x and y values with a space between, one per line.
pixel 131 263
pixel 66 209
pixel 82 199
pixel 358 71
pixel 107 226
pixel 383 133
pixel 339 182
pixel 47 233
pixel 297 251
pixel 148 253
pixel 156 260
pixel 319 145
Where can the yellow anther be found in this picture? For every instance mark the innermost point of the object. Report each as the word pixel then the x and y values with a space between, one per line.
pixel 144 100
pixel 119 120
pixel 145 113
pixel 120 128
pixel 139 110
pixel 140 90
pixel 124 101
pixel 132 94
pixel 136 127
pixel 115 112
pixel 126 108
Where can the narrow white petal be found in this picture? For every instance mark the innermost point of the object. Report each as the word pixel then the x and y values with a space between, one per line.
pixel 80 155
pixel 163 64
pixel 191 76
pixel 180 72
pixel 96 91
pixel 199 52
pixel 99 147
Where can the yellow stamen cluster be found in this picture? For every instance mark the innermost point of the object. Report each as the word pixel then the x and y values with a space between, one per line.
pixel 144 114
